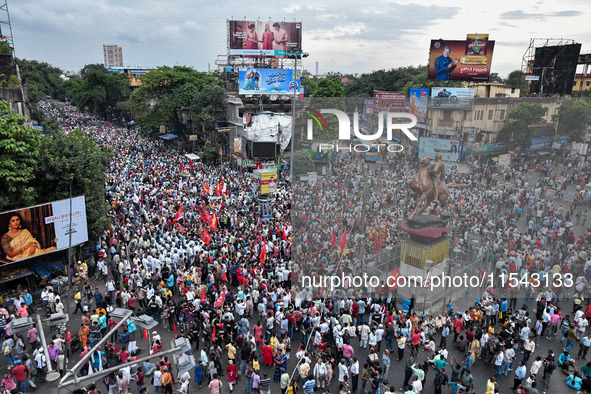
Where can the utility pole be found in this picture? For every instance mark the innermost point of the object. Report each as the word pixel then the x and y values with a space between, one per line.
pixel 296 54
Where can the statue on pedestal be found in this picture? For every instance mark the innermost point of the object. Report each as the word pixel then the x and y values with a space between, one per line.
pixel 428 184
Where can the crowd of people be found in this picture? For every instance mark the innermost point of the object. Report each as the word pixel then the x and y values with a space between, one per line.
pixel 187 246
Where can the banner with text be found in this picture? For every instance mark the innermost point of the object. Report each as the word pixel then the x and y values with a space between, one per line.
pixel 451 150
pixel 457 60
pixel 419 102
pixel 452 98
pixel 267 39
pixel 260 81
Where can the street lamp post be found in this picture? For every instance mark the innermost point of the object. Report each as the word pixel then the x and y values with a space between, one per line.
pixel 296 54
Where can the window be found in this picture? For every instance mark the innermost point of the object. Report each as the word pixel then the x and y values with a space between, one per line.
pixel 446 115
pixel 490 114
pixel 502 114
pixel 588 83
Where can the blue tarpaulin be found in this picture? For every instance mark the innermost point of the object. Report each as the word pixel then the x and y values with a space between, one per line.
pixel 168 136
pixel 45 268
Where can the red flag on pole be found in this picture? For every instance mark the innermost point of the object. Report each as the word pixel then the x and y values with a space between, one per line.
pixel 224 277
pixel 220 300
pixel 283 234
pixel 333 242
pixel 393 282
pixel 191 165
pixel 145 334
pixel 205 187
pixel 213 223
pixel 206 237
pixel 213 334
pixel 203 296
pixel 174 327
pixel 182 167
pixel 263 254
pixel 343 241
pixel 178 213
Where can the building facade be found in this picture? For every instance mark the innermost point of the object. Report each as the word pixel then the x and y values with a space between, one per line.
pixel 113 55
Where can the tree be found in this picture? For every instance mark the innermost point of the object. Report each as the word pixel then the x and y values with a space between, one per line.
pixel 329 93
pixel 574 117
pixel 19 149
pixel 164 92
pixel 302 163
pixel 516 79
pixel 495 77
pixel 41 79
pixel 517 130
pixel 92 67
pixel 100 92
pixel 310 85
pixel 209 105
pixel 75 158
pixel 329 88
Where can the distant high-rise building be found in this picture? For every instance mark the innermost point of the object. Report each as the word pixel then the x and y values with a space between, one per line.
pixel 113 55
pixel 316 68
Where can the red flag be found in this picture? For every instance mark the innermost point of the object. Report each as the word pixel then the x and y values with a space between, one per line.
pixel 218 189
pixel 343 241
pixel 203 296
pixel 205 187
pixel 206 237
pixel 220 300
pixel 213 334
pixel 178 213
pixel 213 223
pixel 224 277
pixel 258 165
pixel 263 254
pixel 182 167
pixel 376 242
pixel 333 242
pixel 174 327
pixel 283 234
pixel 145 334
pixel 394 277
pixel 191 165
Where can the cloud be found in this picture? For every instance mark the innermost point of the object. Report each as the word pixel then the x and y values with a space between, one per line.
pixel 567 13
pixel 519 14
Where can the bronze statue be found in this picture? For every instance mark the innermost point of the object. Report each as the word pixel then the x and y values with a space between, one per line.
pixel 428 184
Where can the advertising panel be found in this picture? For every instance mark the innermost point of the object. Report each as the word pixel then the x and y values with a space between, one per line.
pixel 259 81
pixel 452 98
pixel 451 150
pixel 238 144
pixel 260 38
pixel 457 60
pixel 389 100
pixel 419 102
pixel 42 229
pixel 266 178
pixel 369 107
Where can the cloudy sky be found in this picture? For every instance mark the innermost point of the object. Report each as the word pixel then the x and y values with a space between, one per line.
pixel 341 35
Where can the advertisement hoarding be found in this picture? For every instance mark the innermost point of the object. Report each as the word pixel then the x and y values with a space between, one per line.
pixel 451 150
pixel 260 38
pixel 461 60
pixel 452 98
pixel 238 144
pixel 259 81
pixel 34 231
pixel 267 179
pixel 419 102
pixel 389 100
pixel 369 107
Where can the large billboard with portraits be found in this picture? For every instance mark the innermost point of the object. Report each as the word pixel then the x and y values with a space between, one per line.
pixel 461 60
pixel 264 38
pixel 451 150
pixel 261 81
pixel 34 231
pixel 452 98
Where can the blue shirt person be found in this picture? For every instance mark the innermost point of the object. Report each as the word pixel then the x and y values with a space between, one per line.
pixel 444 65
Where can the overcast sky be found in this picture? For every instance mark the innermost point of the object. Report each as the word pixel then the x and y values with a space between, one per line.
pixel 341 35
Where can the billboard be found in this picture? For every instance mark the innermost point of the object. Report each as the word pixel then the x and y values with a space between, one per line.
pixel 42 229
pixel 419 102
pixel 452 98
pixel 554 67
pixel 451 150
pixel 238 144
pixel 269 39
pixel 468 60
pixel 389 100
pixel 260 81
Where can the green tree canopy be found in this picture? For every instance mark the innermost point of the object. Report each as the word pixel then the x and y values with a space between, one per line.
pixel 41 79
pixel 209 105
pixel 517 130
pixel 19 150
pixel 92 67
pixel 164 92
pixel 516 79
pixel 73 157
pixel 99 92
pixel 302 163
pixel 573 118
pixel 329 88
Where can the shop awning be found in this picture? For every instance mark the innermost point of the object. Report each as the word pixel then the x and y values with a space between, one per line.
pixel 168 137
pixel 13 274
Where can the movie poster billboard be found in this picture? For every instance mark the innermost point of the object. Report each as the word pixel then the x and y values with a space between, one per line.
pixel 419 102
pixel 264 38
pixel 389 101
pixel 451 150
pixel 261 81
pixel 468 60
pixel 34 231
pixel 452 98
